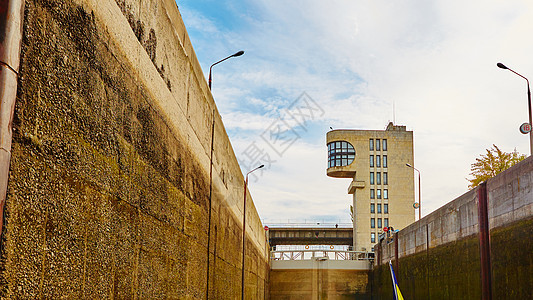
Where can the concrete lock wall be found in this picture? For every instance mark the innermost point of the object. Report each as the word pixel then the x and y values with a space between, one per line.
pixel 320 278
pixel 109 186
pixel 439 257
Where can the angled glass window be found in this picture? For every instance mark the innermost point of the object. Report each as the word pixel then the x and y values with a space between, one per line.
pixel 384 146
pixel 379 223
pixel 385 194
pixel 384 161
pixel 372 194
pixel 379 208
pixel 385 208
pixel 372 208
pixel 371 161
pixel 378 143
pixel 371 177
pixel 378 178
pixel 386 222
pixel 371 144
pixel 385 178
pixel 379 193
pixel 372 237
pixel 372 223
pixel 340 154
pixel 378 161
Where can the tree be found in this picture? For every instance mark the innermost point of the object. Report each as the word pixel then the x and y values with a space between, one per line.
pixel 492 163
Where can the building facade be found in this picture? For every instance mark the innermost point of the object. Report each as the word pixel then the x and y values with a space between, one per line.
pixel 382 184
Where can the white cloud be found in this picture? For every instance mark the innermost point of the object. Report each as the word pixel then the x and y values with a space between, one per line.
pixel 435 60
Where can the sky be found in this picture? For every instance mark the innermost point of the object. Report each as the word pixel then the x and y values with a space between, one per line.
pixel 428 65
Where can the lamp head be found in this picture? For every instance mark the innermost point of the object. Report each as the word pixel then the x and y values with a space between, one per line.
pixel 409 165
pixel 260 166
pixel 502 66
pixel 238 53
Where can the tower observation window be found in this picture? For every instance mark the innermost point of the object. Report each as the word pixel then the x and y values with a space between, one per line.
pixel 340 154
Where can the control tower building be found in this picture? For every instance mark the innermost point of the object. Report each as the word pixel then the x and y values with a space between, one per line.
pixel 382 185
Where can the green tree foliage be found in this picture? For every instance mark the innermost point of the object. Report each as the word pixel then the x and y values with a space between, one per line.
pixel 492 163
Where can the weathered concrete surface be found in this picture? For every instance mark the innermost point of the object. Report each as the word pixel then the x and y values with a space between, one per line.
pixel 320 279
pixel 108 193
pixel 439 256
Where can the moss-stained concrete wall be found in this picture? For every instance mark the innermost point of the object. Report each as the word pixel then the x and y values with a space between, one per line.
pixel 439 256
pixel 109 187
pixel 319 284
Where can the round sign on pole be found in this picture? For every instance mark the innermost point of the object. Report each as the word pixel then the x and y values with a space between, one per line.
pixel 266 227
pixel 525 128
pixel 385 229
pixel 416 205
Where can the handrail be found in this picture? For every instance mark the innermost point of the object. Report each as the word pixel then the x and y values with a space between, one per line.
pixel 329 254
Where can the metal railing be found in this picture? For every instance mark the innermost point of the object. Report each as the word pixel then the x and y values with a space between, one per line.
pixel 306 224
pixel 329 254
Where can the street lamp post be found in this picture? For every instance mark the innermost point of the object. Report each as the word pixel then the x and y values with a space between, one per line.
pixel 502 66
pixel 419 194
pixel 233 55
pixel 244 227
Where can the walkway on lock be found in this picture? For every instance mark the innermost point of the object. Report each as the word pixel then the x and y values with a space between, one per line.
pixel 310 236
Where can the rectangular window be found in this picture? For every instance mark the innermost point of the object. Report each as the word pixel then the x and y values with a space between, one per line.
pixel 378 161
pixel 371 144
pixel 386 222
pixel 372 223
pixel 372 208
pixel 379 223
pixel 372 194
pixel 379 194
pixel 384 161
pixel 371 177
pixel 385 208
pixel 372 237
pixel 379 208
pixel 378 143
pixel 371 160
pixel 378 179
pixel 385 194
pixel 385 178
pixel 384 145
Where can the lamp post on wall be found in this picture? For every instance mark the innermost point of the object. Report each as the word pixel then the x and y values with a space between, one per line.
pixel 233 55
pixel 419 194
pixel 502 66
pixel 244 226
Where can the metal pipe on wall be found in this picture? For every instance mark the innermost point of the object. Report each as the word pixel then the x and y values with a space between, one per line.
pixel 484 242
pixel 11 22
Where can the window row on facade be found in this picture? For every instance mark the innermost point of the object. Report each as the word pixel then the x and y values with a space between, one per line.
pixel 373 208
pixel 378 161
pixel 385 222
pixel 376 194
pixel 379 145
pixel 375 178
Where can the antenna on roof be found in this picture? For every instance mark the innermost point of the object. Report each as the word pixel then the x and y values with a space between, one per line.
pixel 393 111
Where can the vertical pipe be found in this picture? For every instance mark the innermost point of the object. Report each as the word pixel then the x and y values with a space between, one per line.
pixel 354 224
pixel 484 242
pixel 210 202
pixel 244 235
pixel 530 120
pixel 11 18
pixel 427 261
pixel 419 199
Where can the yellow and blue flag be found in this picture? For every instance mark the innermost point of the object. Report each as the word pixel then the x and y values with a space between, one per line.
pixel 395 287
